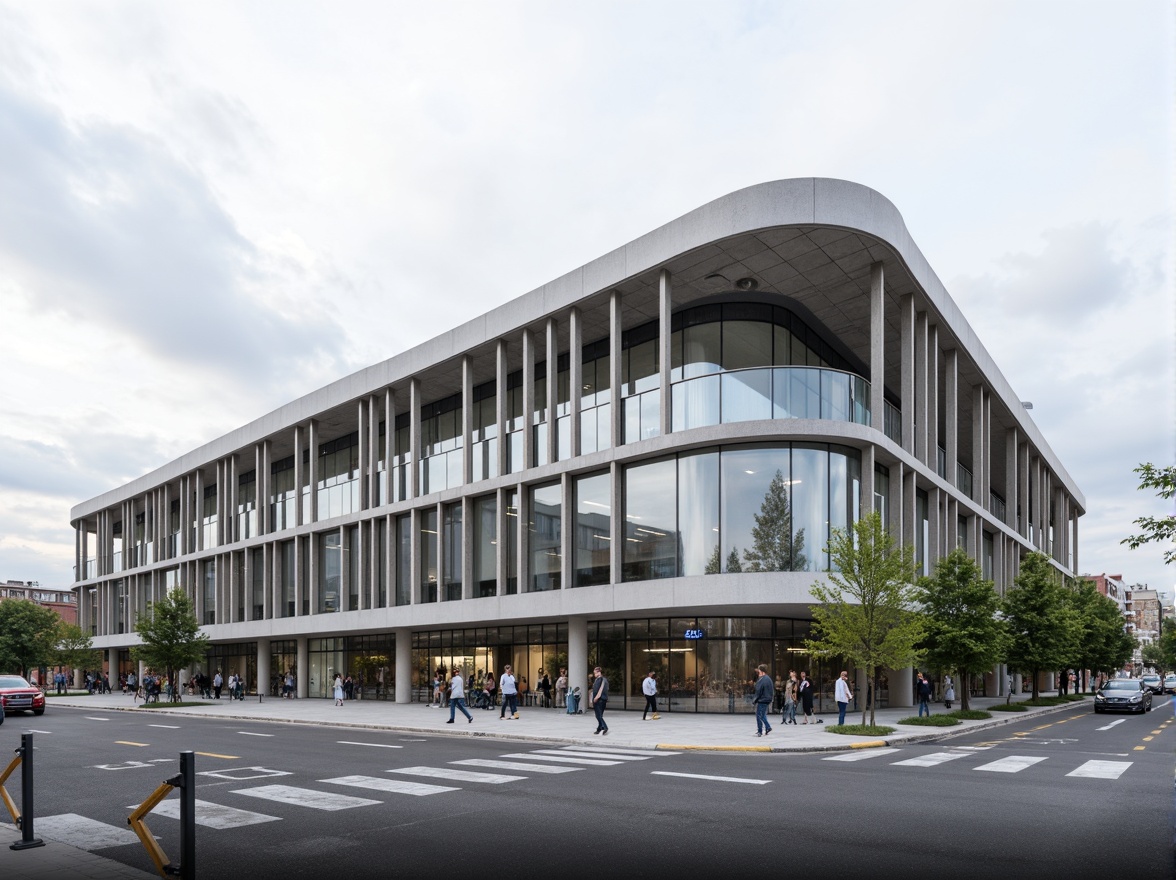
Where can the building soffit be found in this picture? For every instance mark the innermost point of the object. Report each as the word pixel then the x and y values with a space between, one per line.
pixel 811 240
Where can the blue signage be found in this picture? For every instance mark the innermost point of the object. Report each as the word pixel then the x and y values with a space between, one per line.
pixel 694 634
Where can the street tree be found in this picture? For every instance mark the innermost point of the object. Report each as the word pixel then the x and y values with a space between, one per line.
pixel 965 633
pixel 774 546
pixel 171 636
pixel 867 603
pixel 1104 645
pixel 1161 529
pixel 28 635
pixel 1043 628
pixel 75 648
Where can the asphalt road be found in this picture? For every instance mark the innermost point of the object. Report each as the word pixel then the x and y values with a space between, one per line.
pixel 1073 795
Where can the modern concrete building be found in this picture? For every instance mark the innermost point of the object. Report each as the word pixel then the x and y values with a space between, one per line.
pixel 636 465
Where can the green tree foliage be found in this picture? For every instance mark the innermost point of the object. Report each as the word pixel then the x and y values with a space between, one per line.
pixel 867 607
pixel 1043 628
pixel 28 635
pixel 965 633
pixel 774 546
pixel 1153 656
pixel 1160 530
pixel 1167 644
pixel 171 636
pixel 1104 645
pixel 75 648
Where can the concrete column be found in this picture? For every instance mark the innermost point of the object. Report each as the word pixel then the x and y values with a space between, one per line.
pixel 664 312
pixel 112 666
pixel 313 466
pixel 906 317
pixel 616 525
pixel 908 507
pixel 567 532
pixel 867 499
pixel 500 547
pixel 501 371
pixel 575 374
pixel 549 404
pixel 979 445
pixel 922 445
pixel 614 367
pixel 467 420
pixel 263 667
pixel 299 473
pixel 403 671
pixel 1023 489
pixel 365 451
pixel 877 347
pixel 578 657
pixel 529 452
pixel 523 560
pixel 1018 683
pixel 932 396
pixel 902 686
pixel 414 437
pixel 389 451
pixel 302 674
pixel 951 417
pixel 198 513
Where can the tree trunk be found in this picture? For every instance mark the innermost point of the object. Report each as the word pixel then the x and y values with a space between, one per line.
pixel 866 701
pixel 965 689
pixel 1035 692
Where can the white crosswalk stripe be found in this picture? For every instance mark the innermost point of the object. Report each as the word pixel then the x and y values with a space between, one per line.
pixel 610 756
pixel 305 797
pixel 563 759
pixel 83 833
pixel 515 765
pixel 930 760
pixel 1101 769
pixel 862 755
pixel 392 786
pixel 604 751
pixel 1011 764
pixel 212 815
pixel 711 778
pixel 457 775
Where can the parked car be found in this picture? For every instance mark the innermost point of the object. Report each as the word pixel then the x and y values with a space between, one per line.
pixel 1153 683
pixel 17 695
pixel 1123 695
pixel 1170 683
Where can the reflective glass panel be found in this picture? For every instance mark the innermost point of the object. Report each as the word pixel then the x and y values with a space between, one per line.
pixel 593 530
pixel 651 545
pixel 698 513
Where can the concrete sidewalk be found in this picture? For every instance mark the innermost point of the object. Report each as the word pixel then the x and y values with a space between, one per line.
pixel 55 861
pixel 678 730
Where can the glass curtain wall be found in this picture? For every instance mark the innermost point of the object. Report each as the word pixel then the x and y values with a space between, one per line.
pixel 484 437
pixel 238 658
pixel 593 530
pixel 330 574
pixel 595 399
pixel 482 651
pixel 338 477
pixel 428 555
pixel 283 660
pixel 441 445
pixel 512 541
pixel 545 539
pixel 369 660
pixel 485 546
pixel 451 548
pixel 247 506
pixel 283 495
pixel 641 383
pixel 404 560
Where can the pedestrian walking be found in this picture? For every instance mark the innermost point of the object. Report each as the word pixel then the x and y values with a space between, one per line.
pixel 508 684
pixel 649 688
pixel 490 687
pixel 805 689
pixel 288 685
pixel 217 683
pixel 948 691
pixel 923 692
pixel 790 697
pixel 545 689
pixel 132 683
pixel 338 689
pixel 765 692
pixel 843 695
pixel 599 699
pixel 457 698
pixel 561 689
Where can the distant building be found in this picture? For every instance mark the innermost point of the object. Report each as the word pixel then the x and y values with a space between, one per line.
pixel 1143 615
pixel 1111 586
pixel 64 602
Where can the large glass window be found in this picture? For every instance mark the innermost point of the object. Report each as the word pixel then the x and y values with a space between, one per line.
pixel 698 513
pixel 651 545
pixel 330 573
pixel 404 560
pixel 441 445
pixel 428 551
pixel 757 528
pixel 486 546
pixel 247 506
pixel 209 579
pixel 514 422
pixel 381 565
pixel 593 524
pixel 595 399
pixel 451 547
pixel 401 457
pixel 338 476
pixel 640 384
pixel 353 554
pixel 283 494
pixel 531 650
pixel 257 583
pixel 512 541
pixel 539 421
pixel 208 521
pixel 545 538
pixel 484 437
pixel 289 574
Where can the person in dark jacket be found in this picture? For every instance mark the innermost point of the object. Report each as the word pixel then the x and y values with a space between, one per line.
pixel 923 692
pixel 765 692
pixel 600 699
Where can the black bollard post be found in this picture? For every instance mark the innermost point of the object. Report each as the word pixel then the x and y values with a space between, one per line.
pixel 27 840
pixel 187 816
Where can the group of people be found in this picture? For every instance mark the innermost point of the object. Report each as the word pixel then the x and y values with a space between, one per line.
pixel 547 692
pixel 798 693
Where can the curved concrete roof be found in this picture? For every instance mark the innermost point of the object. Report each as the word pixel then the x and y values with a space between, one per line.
pixel 808 202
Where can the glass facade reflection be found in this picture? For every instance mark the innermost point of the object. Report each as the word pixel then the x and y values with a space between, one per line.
pixel 486 650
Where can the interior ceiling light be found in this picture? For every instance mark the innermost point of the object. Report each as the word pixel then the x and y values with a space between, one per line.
pixel 747 284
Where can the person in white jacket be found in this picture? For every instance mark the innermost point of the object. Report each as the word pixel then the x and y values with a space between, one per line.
pixel 649 688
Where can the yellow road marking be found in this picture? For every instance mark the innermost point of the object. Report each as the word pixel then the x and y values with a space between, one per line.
pixel 1043 727
pixel 123 742
pixel 1023 732
pixel 1140 748
pixel 1156 732
pixel 1148 739
pixel 215 755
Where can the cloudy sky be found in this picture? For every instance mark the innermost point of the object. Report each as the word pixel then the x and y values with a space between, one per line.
pixel 207 210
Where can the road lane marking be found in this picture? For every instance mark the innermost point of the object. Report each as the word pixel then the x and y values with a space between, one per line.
pixel 306 797
pixel 1154 732
pixel 1011 764
pixel 215 755
pixel 344 742
pixel 248 733
pixel 929 760
pixel 94 718
pixel 515 765
pixel 863 755
pixel 240 774
pixel 564 759
pixel 710 778
pixel 1102 769
pixel 576 753
pixel 166 726
pixel 83 833
pixel 457 775
pixel 1139 748
pixel 1148 739
pixel 31 730
pixel 124 742
pixel 1112 724
pixel 605 752
pixel 393 786
pixel 211 815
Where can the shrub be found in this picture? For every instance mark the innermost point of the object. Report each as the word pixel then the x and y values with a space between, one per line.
pixel 860 729
pixel 970 714
pixel 930 721
pixel 1007 707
